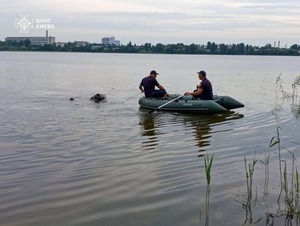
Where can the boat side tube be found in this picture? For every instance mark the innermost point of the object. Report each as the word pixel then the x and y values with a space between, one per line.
pixel 184 105
pixel 228 102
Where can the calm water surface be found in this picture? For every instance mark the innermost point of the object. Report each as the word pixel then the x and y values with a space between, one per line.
pixel 81 163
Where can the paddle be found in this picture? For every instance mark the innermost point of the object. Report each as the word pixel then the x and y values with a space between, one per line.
pixel 130 98
pixel 161 106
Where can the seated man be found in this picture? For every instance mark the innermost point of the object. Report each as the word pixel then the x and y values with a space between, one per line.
pixel 148 86
pixel 204 90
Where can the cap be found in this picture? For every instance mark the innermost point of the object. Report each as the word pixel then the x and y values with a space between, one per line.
pixel 153 72
pixel 202 73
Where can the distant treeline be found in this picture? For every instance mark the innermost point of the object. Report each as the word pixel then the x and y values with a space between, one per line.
pixel 180 48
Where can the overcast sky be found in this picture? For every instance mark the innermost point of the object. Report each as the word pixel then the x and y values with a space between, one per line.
pixel 255 22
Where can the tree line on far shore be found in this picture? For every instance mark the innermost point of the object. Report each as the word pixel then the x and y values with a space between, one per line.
pixel 179 48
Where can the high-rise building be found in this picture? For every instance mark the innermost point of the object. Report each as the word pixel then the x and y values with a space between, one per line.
pixel 110 41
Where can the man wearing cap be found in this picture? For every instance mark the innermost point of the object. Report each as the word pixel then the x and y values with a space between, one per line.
pixel 204 91
pixel 148 86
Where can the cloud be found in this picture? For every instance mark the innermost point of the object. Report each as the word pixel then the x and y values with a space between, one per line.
pixel 163 20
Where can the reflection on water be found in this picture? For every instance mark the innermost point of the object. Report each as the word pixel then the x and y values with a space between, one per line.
pixel 147 123
pixel 195 125
pixel 202 126
pixel 198 130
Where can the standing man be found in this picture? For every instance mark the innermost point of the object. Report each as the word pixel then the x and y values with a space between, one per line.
pixel 204 90
pixel 148 86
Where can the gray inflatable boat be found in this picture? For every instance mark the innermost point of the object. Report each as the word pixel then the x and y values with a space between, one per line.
pixel 187 104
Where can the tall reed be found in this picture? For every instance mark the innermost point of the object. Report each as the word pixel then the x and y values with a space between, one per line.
pixel 267 174
pixel 276 141
pixel 249 168
pixel 208 166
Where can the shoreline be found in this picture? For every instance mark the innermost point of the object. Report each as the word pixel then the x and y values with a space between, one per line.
pixel 150 53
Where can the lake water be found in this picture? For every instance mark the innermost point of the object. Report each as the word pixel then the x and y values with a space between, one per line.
pixel 82 163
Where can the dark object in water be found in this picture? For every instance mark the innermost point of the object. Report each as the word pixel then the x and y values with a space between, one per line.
pixel 71 99
pixel 98 98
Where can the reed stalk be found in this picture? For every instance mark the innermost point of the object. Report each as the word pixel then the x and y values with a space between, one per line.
pixel 276 141
pixel 267 174
pixel 208 165
pixel 249 169
pixel 207 205
pixel 278 89
pixel 297 182
pixel 297 190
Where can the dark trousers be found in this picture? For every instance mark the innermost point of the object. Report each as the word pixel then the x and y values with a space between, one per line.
pixel 201 97
pixel 158 93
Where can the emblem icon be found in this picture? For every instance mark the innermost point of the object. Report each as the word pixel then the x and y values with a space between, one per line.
pixel 24 23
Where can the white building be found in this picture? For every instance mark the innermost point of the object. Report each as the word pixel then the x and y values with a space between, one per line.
pixel 95 47
pixel 34 40
pixel 110 41
pixel 81 43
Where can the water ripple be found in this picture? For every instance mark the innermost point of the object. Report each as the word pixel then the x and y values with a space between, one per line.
pixel 82 163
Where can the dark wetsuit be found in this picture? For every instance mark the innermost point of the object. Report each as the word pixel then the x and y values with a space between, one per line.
pixel 149 84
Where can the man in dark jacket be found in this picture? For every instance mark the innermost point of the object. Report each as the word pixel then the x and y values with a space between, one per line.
pixel 148 86
pixel 204 90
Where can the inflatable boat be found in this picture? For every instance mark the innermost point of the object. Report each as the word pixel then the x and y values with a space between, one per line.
pixel 186 103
